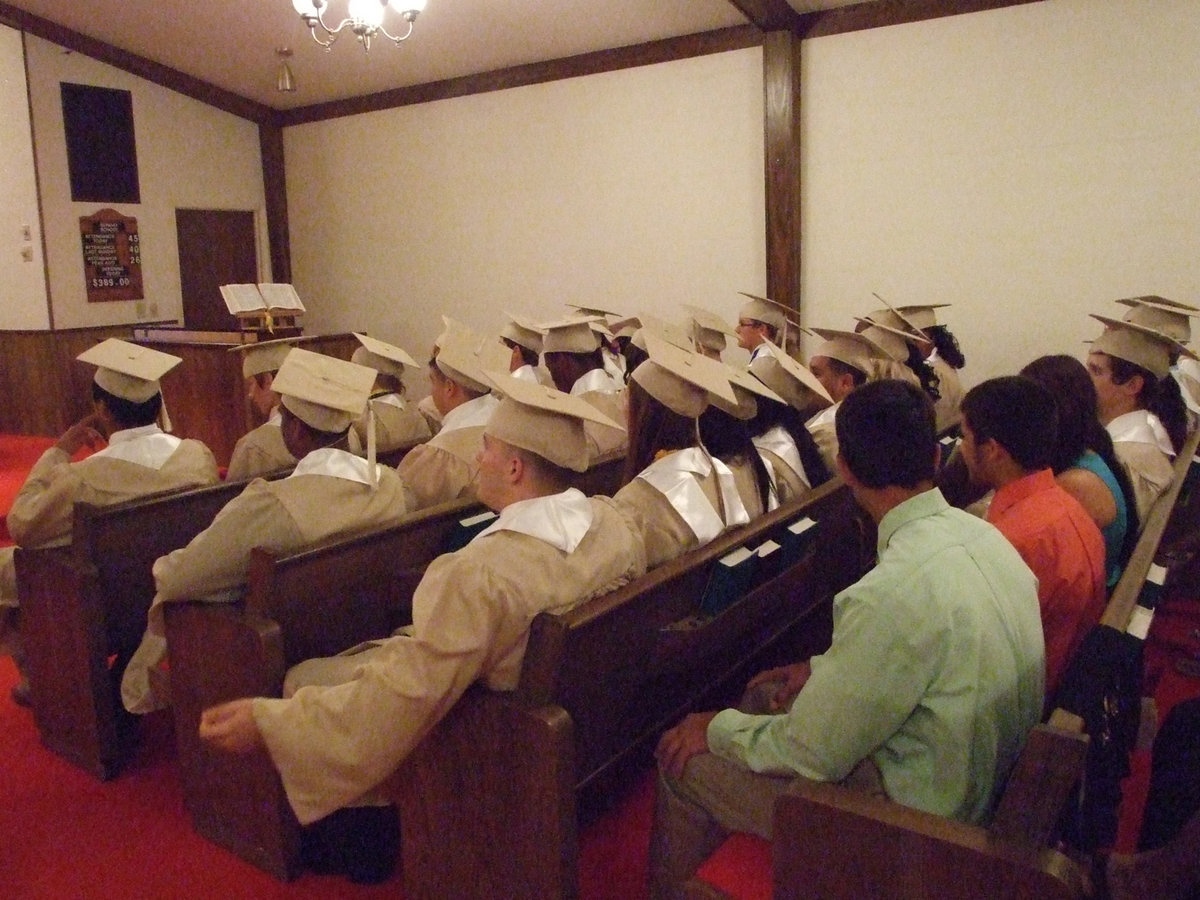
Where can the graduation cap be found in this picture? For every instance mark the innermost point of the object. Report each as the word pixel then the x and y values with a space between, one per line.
pixel 793 382
pixel 523 333
pixel 129 371
pixel 1142 346
pixel 571 335
pixel 381 356
pixel 854 349
pixel 1167 316
pixel 708 329
pixel 263 356
pixel 465 356
pixel 682 380
pixel 543 420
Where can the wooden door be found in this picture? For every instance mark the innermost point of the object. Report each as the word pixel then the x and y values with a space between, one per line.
pixel 216 247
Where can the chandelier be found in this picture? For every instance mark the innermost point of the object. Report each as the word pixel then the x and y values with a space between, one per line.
pixel 363 17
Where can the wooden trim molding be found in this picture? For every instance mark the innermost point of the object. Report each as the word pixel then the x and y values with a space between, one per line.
pixel 137 65
pixel 880 13
pixel 684 47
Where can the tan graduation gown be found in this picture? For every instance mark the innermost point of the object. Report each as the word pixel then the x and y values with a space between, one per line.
pixel 396 427
pixel 444 468
pixel 1150 472
pixel 664 531
pixel 946 408
pixel 42 513
pixel 471 617
pixel 259 452
pixel 280 516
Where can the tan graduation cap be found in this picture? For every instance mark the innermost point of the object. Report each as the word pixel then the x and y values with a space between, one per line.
pixel 855 350
pixel 323 392
pixel 522 332
pixel 770 312
pixel 129 371
pixel 572 335
pixel 263 356
pixel 543 420
pixel 1167 316
pixel 465 356
pixel 1142 346
pixel 681 380
pixel 708 329
pixel 381 356
pixel 746 388
pixel 893 341
pixel 794 383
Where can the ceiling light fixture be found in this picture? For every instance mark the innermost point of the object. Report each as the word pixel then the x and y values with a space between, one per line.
pixel 285 81
pixel 363 17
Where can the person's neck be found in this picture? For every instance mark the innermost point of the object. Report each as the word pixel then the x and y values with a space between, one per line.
pixel 878 502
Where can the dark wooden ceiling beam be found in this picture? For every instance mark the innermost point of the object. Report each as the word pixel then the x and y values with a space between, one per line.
pixel 769 15
pixel 880 13
pixel 689 45
pixel 137 65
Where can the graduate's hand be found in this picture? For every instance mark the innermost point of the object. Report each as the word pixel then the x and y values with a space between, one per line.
pixel 687 739
pixel 790 678
pixel 231 727
pixel 84 432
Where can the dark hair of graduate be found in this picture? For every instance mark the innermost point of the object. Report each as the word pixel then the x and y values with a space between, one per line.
pixel 946 344
pixel 1019 414
pixel 886 434
pixel 728 438
pixel 924 372
pixel 1079 428
pixel 771 415
pixel 127 413
pixel 653 429
pixel 1158 395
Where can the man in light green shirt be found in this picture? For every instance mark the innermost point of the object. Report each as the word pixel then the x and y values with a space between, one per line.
pixel 931 684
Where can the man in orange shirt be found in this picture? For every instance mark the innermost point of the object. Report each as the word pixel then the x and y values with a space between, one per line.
pixel 1009 427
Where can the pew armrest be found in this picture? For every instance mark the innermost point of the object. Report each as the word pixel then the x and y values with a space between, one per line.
pixel 221 652
pixel 457 793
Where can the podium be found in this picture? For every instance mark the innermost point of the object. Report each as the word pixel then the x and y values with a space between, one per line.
pixel 206 395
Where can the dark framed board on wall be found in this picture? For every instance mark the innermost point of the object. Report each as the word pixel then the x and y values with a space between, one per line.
pixel 112 256
pixel 101 149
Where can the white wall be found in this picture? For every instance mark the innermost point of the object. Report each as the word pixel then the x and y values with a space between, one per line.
pixel 635 190
pixel 190 155
pixel 23 287
pixel 1028 165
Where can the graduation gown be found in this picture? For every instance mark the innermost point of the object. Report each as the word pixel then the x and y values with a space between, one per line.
pixel 137 462
pixel 471 617
pixel 324 498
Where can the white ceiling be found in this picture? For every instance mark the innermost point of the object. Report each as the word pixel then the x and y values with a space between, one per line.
pixel 231 43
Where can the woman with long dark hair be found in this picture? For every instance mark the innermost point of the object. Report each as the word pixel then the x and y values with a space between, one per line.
pixel 680 494
pixel 1085 464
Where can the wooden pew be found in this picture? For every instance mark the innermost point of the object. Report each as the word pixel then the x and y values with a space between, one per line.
pixel 833 843
pixel 85 603
pixel 316 602
pixel 488 801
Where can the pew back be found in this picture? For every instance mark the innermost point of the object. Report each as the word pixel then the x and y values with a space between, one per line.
pixel 599 683
pixel 86 602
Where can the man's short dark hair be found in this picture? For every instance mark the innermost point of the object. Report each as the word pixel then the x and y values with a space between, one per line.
pixel 1018 414
pixel 126 413
pixel 886 434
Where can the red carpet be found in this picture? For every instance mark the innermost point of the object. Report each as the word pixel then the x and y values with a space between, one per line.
pixel 69 835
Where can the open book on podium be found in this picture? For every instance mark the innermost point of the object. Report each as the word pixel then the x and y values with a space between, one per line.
pixel 262 307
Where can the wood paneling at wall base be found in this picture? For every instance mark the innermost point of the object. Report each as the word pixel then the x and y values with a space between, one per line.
pixel 45 389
